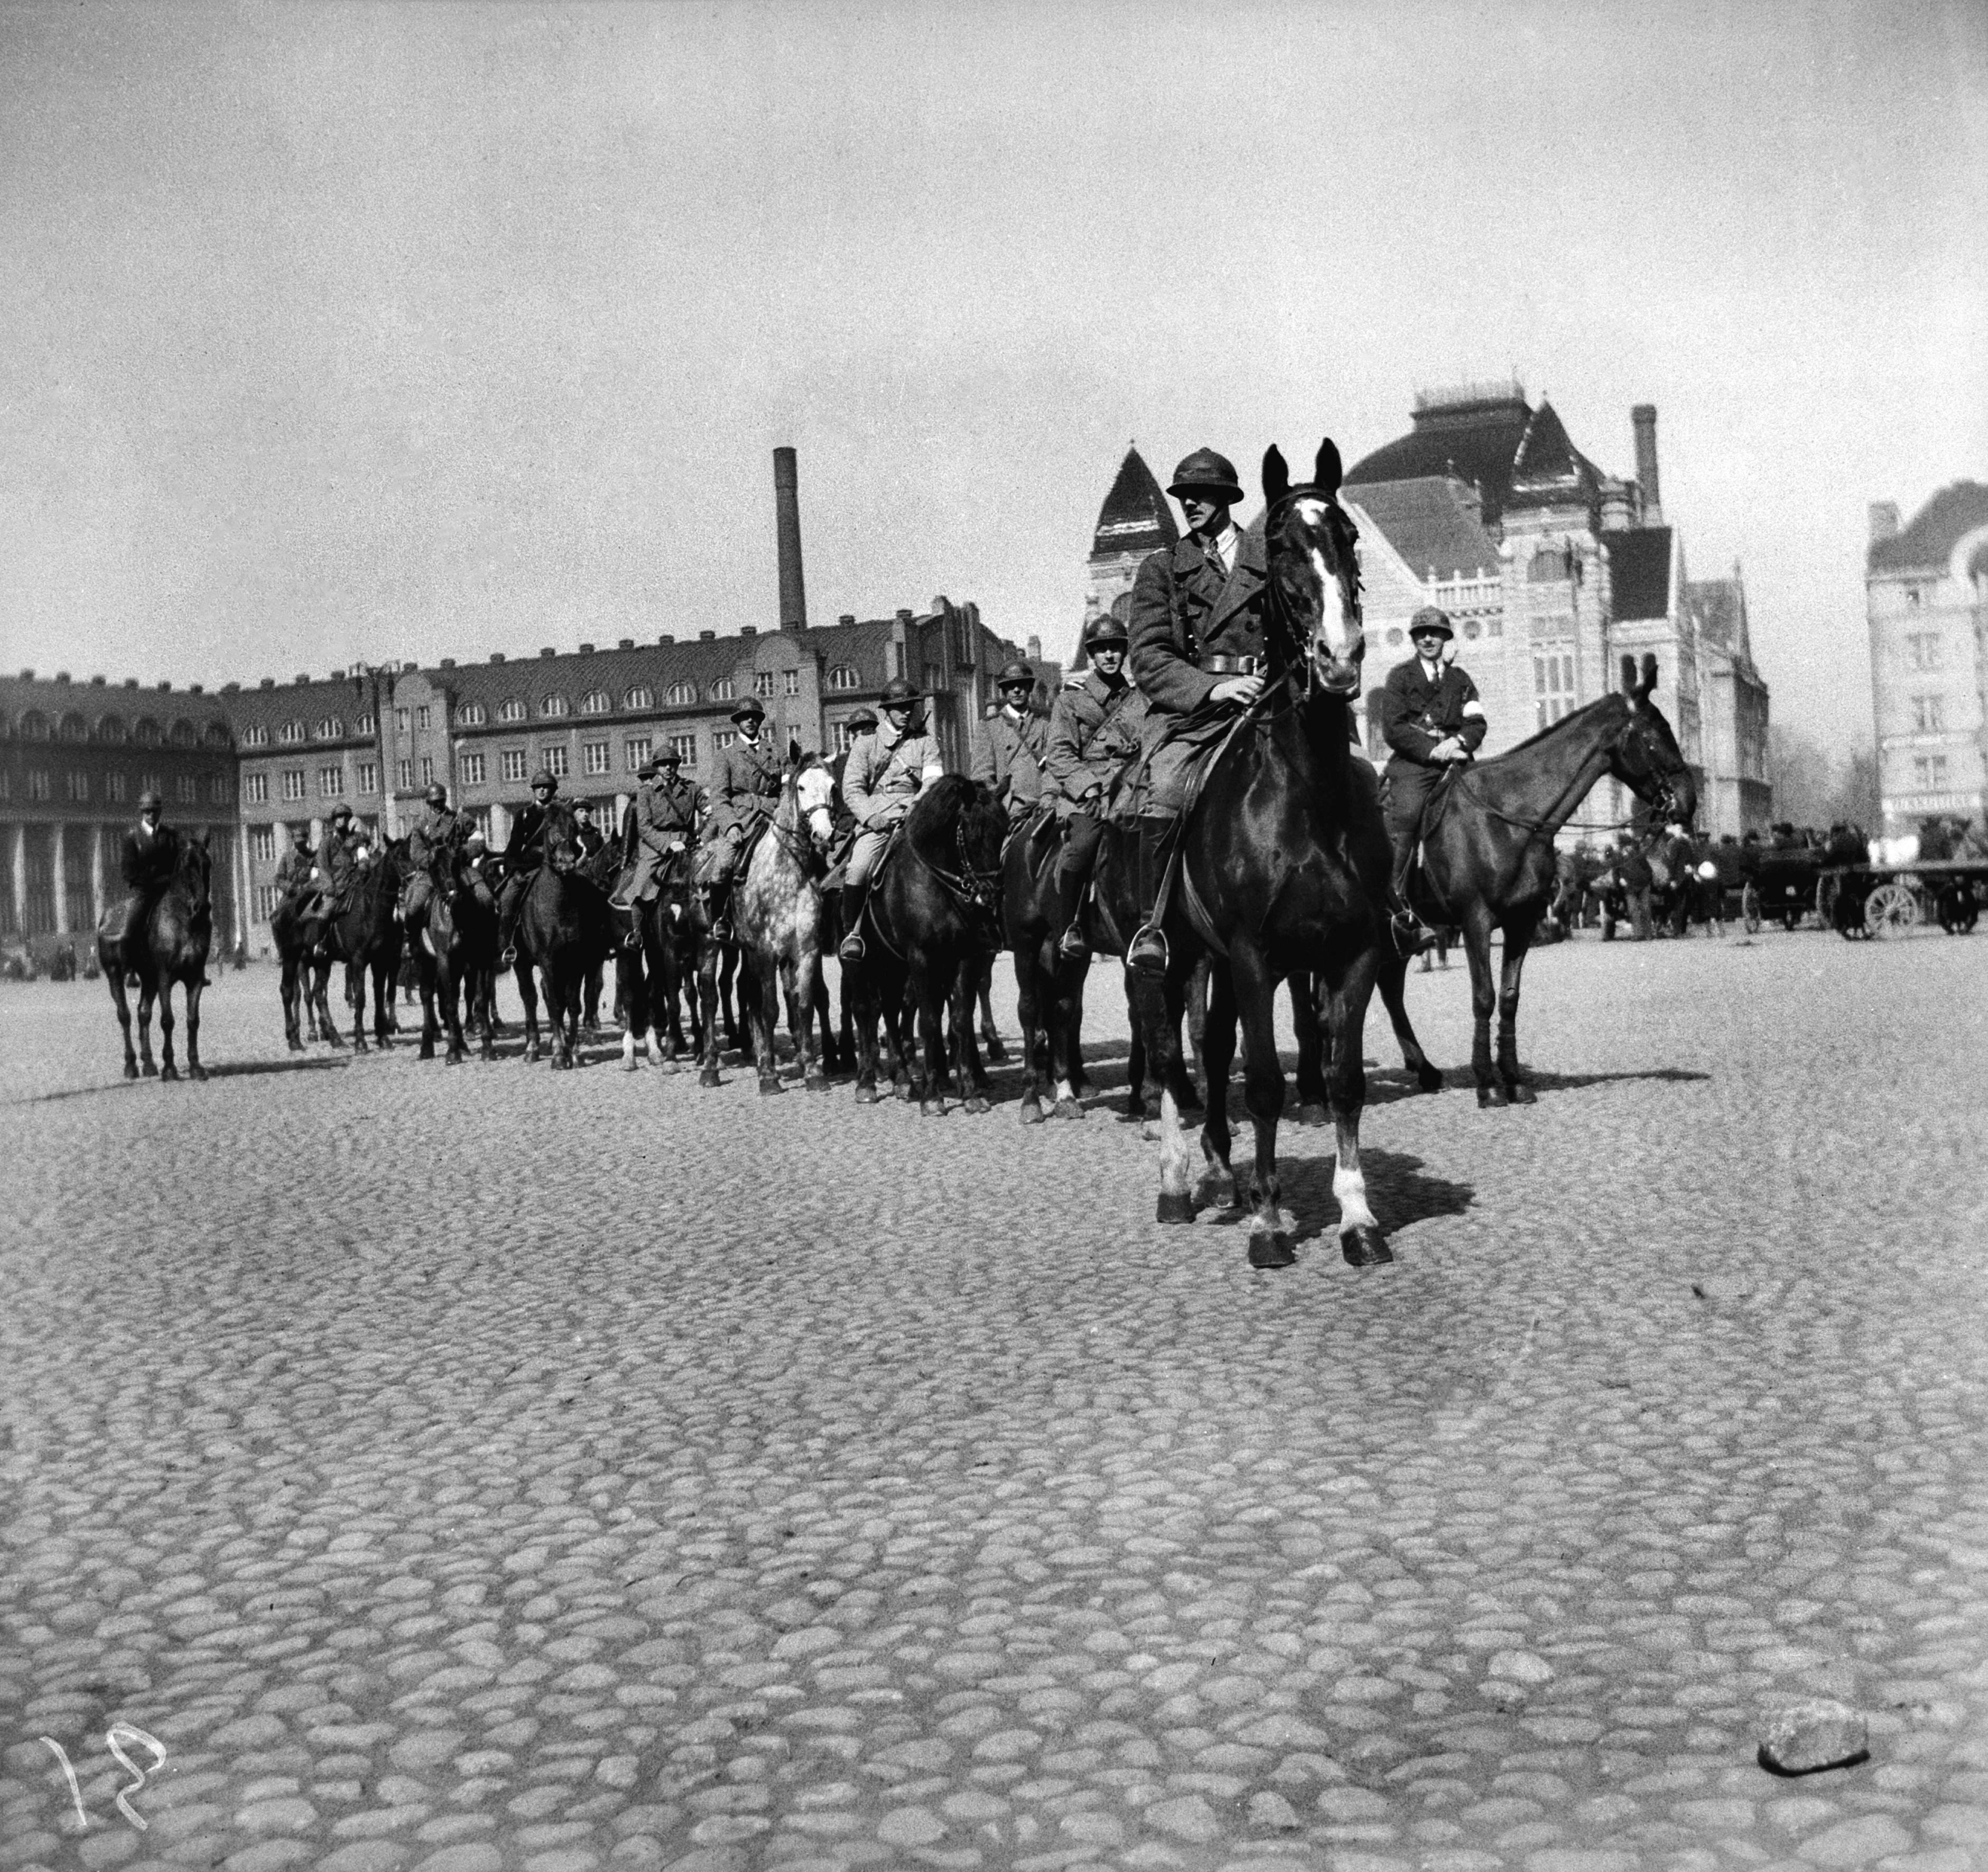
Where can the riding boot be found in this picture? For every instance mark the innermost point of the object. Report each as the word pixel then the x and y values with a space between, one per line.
pixel 1070 888
pixel 1147 952
pixel 854 896
pixel 1412 936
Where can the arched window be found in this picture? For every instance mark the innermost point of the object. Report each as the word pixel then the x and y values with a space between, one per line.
pixel 185 734
pixel 72 728
pixel 331 729
pixel 640 696
pixel 113 730
pixel 146 733
pixel 597 702
pixel 366 726
pixel 724 689
pixel 291 731
pixel 512 709
pixel 472 715
pixel 682 695
pixel 553 705
pixel 844 676
pixel 34 726
pixel 255 736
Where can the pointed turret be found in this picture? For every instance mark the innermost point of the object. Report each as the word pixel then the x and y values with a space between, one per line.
pixel 1134 520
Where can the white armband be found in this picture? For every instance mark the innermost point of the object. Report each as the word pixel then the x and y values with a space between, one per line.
pixel 927 775
pixel 1474 711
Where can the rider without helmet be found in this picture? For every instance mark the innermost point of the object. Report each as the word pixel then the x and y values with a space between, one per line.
pixel 150 854
pixel 1095 730
pixel 744 791
pixel 1430 715
pixel 1009 757
pixel 882 778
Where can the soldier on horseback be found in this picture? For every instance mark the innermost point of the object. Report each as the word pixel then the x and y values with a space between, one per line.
pixel 152 850
pixel 341 856
pixel 1095 733
pixel 885 773
pixel 433 840
pixel 1197 654
pixel 744 792
pixel 664 827
pixel 1009 759
pixel 523 858
pixel 294 870
pixel 588 836
pixel 1430 714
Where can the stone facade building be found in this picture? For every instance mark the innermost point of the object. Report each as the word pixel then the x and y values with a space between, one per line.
pixel 1926 588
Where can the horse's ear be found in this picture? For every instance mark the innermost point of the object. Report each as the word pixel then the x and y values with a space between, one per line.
pixel 1326 472
pixel 1628 675
pixel 1649 674
pixel 1276 476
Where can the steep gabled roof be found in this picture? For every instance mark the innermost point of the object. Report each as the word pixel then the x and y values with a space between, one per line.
pixel 1936 530
pixel 1639 571
pixel 1720 605
pixel 1429 524
pixel 1135 517
pixel 1478 440
pixel 1547 468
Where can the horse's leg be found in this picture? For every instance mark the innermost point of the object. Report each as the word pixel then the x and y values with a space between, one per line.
pixel 1392 976
pixel 1255 989
pixel 1138 1077
pixel 1156 1007
pixel 708 964
pixel 1517 941
pixel 970 1075
pixel 1068 977
pixel 428 969
pixel 384 1025
pixel 145 992
pixel 167 1070
pixel 327 1028
pixel 1311 1048
pixel 195 1070
pixel 114 976
pixel 355 999
pixel 1035 1032
pixel 528 995
pixel 1360 1241
pixel 809 1000
pixel 563 995
pixel 759 1002
pixel 728 978
pixel 631 1002
pixel 293 1031
pixel 1196 1004
pixel 990 1036
pixel 934 1001
pixel 861 1005
pixel 1483 998
pixel 1218 1053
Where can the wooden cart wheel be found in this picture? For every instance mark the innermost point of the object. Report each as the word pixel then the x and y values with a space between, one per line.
pixel 1891 909
pixel 1749 909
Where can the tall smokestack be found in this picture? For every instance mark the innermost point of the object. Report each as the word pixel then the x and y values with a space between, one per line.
pixel 787 527
pixel 1644 417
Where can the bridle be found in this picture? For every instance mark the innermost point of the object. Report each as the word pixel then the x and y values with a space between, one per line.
pixel 977 888
pixel 1306 646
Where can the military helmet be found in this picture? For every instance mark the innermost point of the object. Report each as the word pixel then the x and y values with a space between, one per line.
pixel 669 757
pixel 899 692
pixel 1206 472
pixel 437 795
pixel 1104 631
pixel 544 777
pixel 341 811
pixel 862 717
pixel 648 770
pixel 148 798
pixel 1430 618
pixel 583 806
pixel 747 708
pixel 1016 675
pixel 300 834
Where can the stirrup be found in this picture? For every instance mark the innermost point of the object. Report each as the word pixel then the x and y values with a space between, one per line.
pixel 507 957
pixel 850 949
pixel 1147 952
pixel 1071 943
pixel 1412 936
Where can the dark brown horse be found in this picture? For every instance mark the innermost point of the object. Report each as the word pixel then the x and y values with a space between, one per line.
pixel 456 950
pixel 305 966
pixel 933 915
pixel 651 976
pixel 1489 863
pixel 1281 862
pixel 364 933
pixel 172 946
pixel 564 927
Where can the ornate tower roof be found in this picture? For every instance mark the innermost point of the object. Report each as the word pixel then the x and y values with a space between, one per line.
pixel 1135 517
pixel 1547 470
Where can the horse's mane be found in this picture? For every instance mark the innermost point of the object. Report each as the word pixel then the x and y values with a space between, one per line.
pixel 1552 730
pixel 943 799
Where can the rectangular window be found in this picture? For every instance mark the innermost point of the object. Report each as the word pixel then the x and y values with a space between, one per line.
pixel 1552 684
pixel 405 769
pixel 636 750
pixel 113 786
pixel 262 842
pixel 256 789
pixel 330 783
pixel 428 769
pixel 77 787
pixel 265 901
pixel 186 789
pixel 1928 714
pixel 149 783
pixel 1940 770
pixel 471 767
pixel 218 789
pixel 369 777
pixel 723 739
pixel 423 716
pixel 840 737
pixel 762 684
pixel 685 746
pixel 594 755
pixel 293 783
pixel 1922 650
pixel 791 682
pixel 555 761
pixel 514 764
pixel 37 786
pixel 400 719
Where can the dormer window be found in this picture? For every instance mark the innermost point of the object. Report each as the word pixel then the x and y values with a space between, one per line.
pixel 554 705
pixel 596 702
pixel 511 710
pixel 640 696
pixel 472 715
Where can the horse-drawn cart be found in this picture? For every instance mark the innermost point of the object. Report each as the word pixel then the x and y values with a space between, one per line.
pixel 1863 901
pixel 1780 885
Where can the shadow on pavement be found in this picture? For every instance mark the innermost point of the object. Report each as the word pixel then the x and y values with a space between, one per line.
pixel 1398 1191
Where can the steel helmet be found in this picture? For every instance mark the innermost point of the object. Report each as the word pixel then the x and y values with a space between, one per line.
pixel 148 798
pixel 1104 631
pixel 749 709
pixel 544 777
pixel 1206 472
pixel 437 795
pixel 899 692
pixel 1016 675
pixel 1429 619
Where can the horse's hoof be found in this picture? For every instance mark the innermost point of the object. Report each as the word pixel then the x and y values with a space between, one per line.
pixel 151 1072
pixel 976 1106
pixel 904 1092
pixel 1173 1208
pixel 427 1051
pixel 633 1063
pixel 450 1059
pixel 1311 1113
pixel 1428 1079
pixel 170 1072
pixel 196 1074
pixel 997 1051
pixel 1271 1249
pixel 1489 1095
pixel 297 1046
pixel 1136 1110
pixel 1217 1191
pixel 1521 1093
pixel 931 1108
pixel 816 1082
pixel 1365 1246
pixel 771 1088
pixel 130 1072
pixel 868 1095
pixel 1069 1108
pixel 1032 1113
pixel 668 1065
pixel 709 1077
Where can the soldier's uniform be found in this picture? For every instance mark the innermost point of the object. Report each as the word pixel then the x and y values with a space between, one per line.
pixel 588 836
pixel 294 870
pixel 145 864
pixel 662 828
pixel 1096 732
pixel 524 854
pixel 432 841
pixel 885 773
pixel 1416 711
pixel 1009 757
pixel 745 788
pixel 338 861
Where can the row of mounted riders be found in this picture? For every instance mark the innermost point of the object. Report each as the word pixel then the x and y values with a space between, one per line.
pixel 1278 867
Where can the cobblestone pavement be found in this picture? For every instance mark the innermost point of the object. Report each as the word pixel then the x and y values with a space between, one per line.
pixel 483 1468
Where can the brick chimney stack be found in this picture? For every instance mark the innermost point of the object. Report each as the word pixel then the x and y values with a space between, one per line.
pixel 1644 417
pixel 787 529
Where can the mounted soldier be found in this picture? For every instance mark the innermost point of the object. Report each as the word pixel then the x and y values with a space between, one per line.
pixel 431 841
pixel 341 858
pixel 586 835
pixel 151 851
pixel 294 870
pixel 1009 758
pixel 1095 731
pixel 523 857
pixel 744 791
pixel 1197 655
pixel 885 773
pixel 1430 714
pixel 663 830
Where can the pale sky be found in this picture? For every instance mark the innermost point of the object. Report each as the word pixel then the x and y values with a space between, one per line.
pixel 345 332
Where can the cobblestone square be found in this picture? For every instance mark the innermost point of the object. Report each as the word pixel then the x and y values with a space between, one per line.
pixel 459 1470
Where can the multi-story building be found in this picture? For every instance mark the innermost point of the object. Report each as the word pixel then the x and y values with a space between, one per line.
pixel 74 758
pixel 1550 570
pixel 1926 589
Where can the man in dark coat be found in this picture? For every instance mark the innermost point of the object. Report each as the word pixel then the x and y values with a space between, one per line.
pixel 1009 758
pixel 294 869
pixel 151 851
pixel 663 829
pixel 1197 655
pixel 338 859
pixel 1633 873
pixel 432 840
pixel 1096 732
pixel 1430 715
pixel 588 835
pixel 745 788
pixel 523 857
